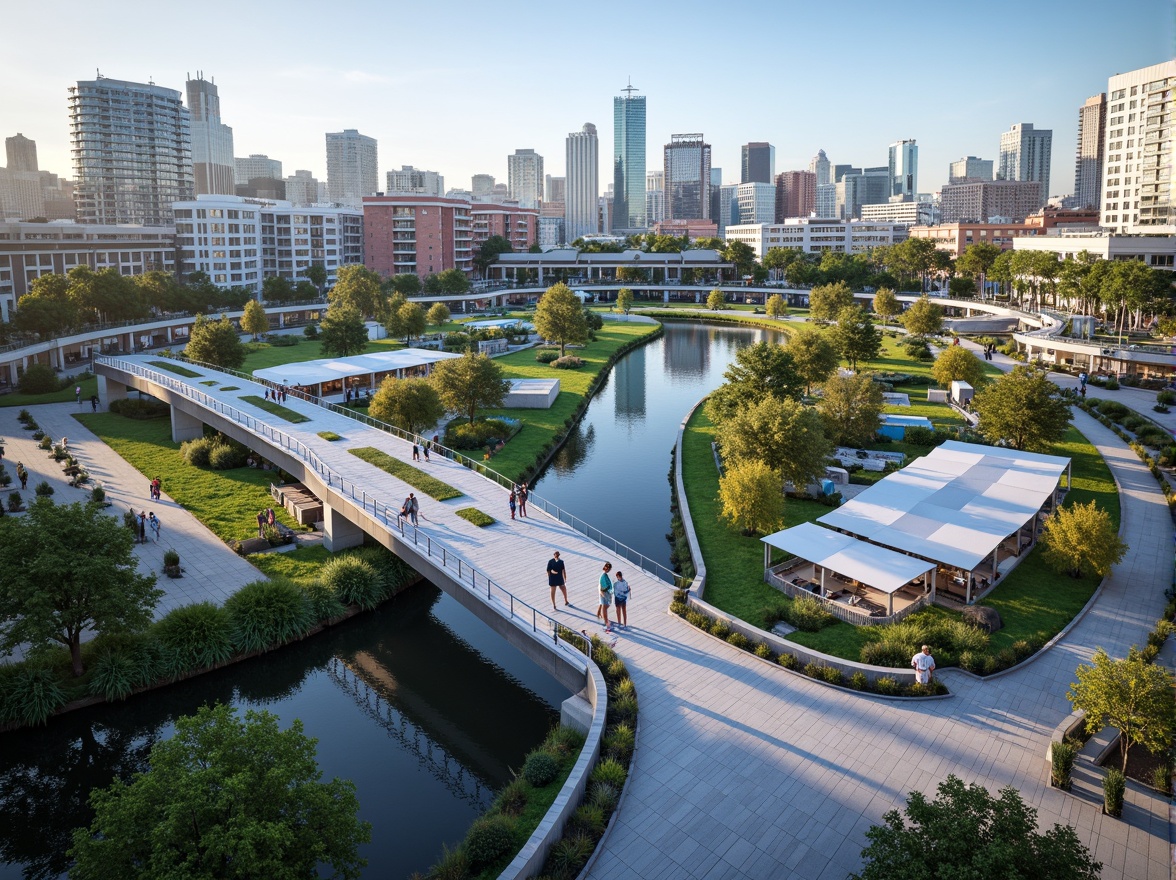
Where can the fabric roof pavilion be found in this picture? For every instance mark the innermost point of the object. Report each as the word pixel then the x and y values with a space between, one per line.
pixel 954 505
pixel 315 374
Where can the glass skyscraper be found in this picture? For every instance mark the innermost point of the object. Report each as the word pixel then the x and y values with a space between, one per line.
pixel 628 161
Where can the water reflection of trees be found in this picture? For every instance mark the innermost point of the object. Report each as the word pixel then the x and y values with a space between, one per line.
pixel 575 449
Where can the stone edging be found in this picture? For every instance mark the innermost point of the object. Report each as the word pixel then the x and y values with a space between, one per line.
pixel 587 869
pixel 529 860
pixel 698 585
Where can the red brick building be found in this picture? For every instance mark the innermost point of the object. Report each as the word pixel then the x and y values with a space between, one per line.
pixel 410 232
pixel 519 226
pixel 796 194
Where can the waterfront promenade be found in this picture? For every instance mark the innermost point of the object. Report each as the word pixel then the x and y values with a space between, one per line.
pixel 746 770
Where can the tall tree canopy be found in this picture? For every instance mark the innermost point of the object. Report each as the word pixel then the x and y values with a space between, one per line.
pixel 559 317
pixel 956 364
pixel 786 435
pixel 469 383
pixel 850 407
pixel 358 287
pixel 827 300
pixel 1024 409
pixel 342 331
pixel 215 342
pixel 411 404
pixel 923 318
pixel 856 336
pixel 762 369
pixel 815 355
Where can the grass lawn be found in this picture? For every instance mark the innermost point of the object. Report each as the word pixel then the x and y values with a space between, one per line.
pixel 225 501
pixel 300 564
pixel 282 412
pixel 330 436
pixel 472 514
pixel 63 395
pixel 173 367
pixel 727 316
pixel 415 477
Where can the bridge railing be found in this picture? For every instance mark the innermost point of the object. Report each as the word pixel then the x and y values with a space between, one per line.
pixel 469 576
pixel 635 557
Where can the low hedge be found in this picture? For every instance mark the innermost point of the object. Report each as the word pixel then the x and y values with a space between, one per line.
pixel 140 409
pixel 473 435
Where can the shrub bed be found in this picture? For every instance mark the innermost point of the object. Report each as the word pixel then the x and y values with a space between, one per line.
pixel 173 367
pixel 140 409
pixel 473 435
pixel 282 412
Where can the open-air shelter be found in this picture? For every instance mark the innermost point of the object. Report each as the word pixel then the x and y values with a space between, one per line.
pixel 330 376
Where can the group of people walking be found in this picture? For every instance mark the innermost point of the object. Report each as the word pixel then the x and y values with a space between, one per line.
pixel 518 499
pixel 146 521
pixel 278 395
pixel 613 591
pixel 265 518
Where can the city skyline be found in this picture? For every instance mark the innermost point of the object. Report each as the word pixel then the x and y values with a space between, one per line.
pixel 281 103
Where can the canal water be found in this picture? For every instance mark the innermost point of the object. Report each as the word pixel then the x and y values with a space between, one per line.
pixel 613 471
pixel 418 703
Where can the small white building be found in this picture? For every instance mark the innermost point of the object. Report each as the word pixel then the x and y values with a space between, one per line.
pixel 813 235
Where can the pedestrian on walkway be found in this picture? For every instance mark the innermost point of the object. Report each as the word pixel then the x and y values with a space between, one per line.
pixel 512 501
pixel 416 453
pixel 23 475
pixel 261 523
pixel 94 402
pixel 557 578
pixel 425 450
pixel 78 394
pixel 153 521
pixel 142 527
pixel 523 493
pixel 621 593
pixel 410 508
pixel 923 664
pixel 605 586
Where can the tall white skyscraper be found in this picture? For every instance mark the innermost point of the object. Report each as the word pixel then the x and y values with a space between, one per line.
pixel 482 184
pixel 820 166
pixel 414 180
pixel 969 168
pixel 904 169
pixel 1025 155
pixel 524 171
pixel 1088 163
pixel 302 188
pixel 213 167
pixel 352 167
pixel 655 196
pixel 1137 190
pixel 132 148
pixel 256 165
pixel 582 213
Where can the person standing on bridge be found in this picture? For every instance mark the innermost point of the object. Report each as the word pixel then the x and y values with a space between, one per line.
pixel 523 493
pixel 557 572
pixel 621 597
pixel 606 593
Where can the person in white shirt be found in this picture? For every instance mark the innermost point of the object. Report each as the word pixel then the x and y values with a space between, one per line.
pixel 923 664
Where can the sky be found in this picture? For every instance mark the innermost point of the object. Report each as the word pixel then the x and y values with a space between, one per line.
pixel 456 86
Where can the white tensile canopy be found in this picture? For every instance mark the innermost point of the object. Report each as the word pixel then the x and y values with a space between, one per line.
pixel 311 373
pixel 956 504
pixel 884 570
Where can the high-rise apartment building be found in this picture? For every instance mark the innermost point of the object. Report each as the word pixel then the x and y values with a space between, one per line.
pixel 796 194
pixel 213 168
pixel 524 173
pixel 628 212
pixel 821 168
pixel 969 168
pixel 1138 190
pixel 21 153
pixel 655 196
pixel 256 165
pixel 405 232
pixel 482 184
pixel 1025 155
pixel 983 201
pixel 302 188
pixel 904 169
pixel 415 180
pixel 826 204
pixel 582 152
pixel 757 202
pixel 1088 163
pixel 352 167
pixel 688 177
pixel 132 149
pixel 758 163
pixel 555 189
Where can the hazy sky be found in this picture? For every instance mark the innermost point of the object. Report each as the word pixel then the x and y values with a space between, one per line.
pixel 455 86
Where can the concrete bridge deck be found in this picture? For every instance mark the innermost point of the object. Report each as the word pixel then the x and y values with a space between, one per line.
pixel 744 769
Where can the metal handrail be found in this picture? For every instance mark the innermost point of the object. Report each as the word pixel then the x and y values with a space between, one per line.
pixel 435 550
pixel 647 565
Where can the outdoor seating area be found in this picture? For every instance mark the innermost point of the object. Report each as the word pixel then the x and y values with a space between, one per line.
pixel 333 377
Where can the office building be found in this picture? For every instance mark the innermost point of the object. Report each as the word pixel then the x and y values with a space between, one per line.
pixel 904 169
pixel 1156 251
pixel 405 232
pixel 516 224
pixel 688 229
pixel 628 211
pixel 352 167
pixel 1137 189
pixel 854 188
pixel 907 213
pixel 555 189
pixel 812 235
pixel 524 173
pixel 655 196
pixel 716 183
pixel 984 201
pixel 1088 161
pixel 551 232
pixel 414 180
pixel 582 152
pixel 955 238
pixel 821 168
pixel 826 201
pixel 796 194
pixel 213 168
pixel 688 177
pixel 132 149
pixel 1025 155
pixel 21 153
pixel 758 163
pixel 757 203
pixel 482 185
pixel 839 172
pixel 302 188
pixel 724 206
pixel 256 165
pixel 969 168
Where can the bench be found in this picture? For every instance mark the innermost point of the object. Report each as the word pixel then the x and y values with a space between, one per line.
pixel 1099 746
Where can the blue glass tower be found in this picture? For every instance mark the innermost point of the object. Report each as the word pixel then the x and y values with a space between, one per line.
pixel 628 161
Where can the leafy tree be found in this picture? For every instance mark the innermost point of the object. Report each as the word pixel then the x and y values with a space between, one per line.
pixel 631 273
pixel 489 251
pixel 762 369
pixel 65 569
pixel 304 292
pixel 856 336
pixel 1024 409
pixel 1132 695
pixel 751 496
pixel 742 255
pixel 962 287
pixel 227 798
pixel 392 321
pixel 786 435
pixel 559 316
pixel 915 257
pixel 469 383
pixel 967 833
pixel 451 282
pixel 850 407
pixel 359 288
pixel 775 306
pixel 105 295
pixel 977 260
pixel 275 288
pixel 412 320
pixel 316 274
pixel 778 259
pixel 406 284
pixel 923 318
pixel 624 299
pixel 827 300
pixel 815 356
pixel 1080 538
pixel 707 243
pixel 437 315
pixel 158 290
pixel 956 364
pixel 215 342
pixel 342 331
pixel 411 404
pixel 802 272
pixel 716 301
pixel 47 308
pixel 886 304
pixel 254 320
